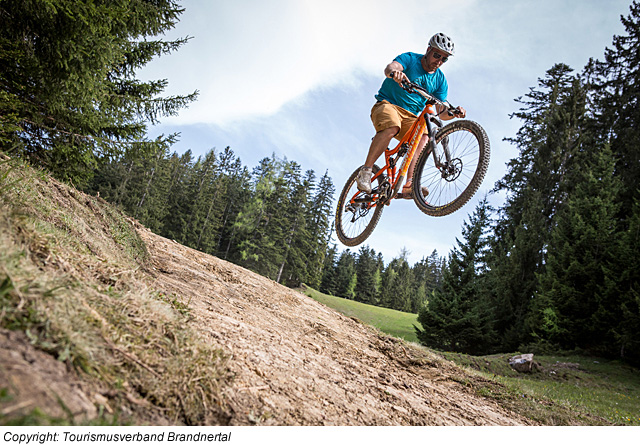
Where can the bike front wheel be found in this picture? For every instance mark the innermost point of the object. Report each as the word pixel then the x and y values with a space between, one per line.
pixel 462 148
pixel 357 215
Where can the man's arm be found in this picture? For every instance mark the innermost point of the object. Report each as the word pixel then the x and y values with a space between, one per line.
pixel 395 71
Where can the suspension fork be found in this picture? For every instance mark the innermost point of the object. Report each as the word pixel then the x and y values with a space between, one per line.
pixel 431 131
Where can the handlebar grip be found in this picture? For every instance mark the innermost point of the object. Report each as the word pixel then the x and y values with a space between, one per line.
pixel 406 86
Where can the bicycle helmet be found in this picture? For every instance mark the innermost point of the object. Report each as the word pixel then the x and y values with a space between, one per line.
pixel 443 43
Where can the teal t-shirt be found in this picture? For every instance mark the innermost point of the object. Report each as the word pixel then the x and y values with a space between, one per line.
pixel 434 83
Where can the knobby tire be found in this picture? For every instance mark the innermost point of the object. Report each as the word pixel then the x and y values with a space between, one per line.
pixel 351 233
pixel 468 143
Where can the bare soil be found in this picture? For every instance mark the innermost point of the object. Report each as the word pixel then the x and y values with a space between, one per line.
pixel 290 359
pixel 297 362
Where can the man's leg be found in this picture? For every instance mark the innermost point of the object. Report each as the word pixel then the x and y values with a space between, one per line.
pixel 421 145
pixel 406 190
pixel 378 145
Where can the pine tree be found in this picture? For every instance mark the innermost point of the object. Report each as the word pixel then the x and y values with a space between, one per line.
pixel 436 268
pixel 238 194
pixel 397 283
pixel 421 277
pixel 137 181
pixel 180 169
pixel 578 284
pixel 627 330
pixel 388 285
pixel 328 284
pixel 366 269
pixel 199 187
pixel 150 208
pixel 616 85
pixel 320 218
pixel 458 316
pixel 346 277
pixel 551 134
pixel 260 235
pixel 297 243
pixel 67 76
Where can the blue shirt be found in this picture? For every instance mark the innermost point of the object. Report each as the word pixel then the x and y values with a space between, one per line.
pixel 434 83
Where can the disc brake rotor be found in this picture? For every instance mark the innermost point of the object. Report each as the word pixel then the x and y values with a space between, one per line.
pixel 453 169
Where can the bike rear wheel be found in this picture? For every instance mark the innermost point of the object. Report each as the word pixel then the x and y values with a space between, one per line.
pixel 452 185
pixel 356 215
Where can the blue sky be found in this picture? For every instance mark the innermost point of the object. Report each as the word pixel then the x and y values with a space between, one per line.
pixel 297 78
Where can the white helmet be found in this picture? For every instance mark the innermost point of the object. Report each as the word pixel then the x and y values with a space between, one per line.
pixel 443 43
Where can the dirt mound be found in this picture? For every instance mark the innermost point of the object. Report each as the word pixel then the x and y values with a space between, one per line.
pixel 156 313
pixel 297 362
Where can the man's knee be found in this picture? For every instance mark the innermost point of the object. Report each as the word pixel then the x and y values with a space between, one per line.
pixel 389 132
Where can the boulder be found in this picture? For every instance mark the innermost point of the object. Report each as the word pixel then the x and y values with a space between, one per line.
pixel 522 363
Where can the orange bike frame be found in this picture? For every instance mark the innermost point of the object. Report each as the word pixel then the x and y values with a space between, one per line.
pixel 412 140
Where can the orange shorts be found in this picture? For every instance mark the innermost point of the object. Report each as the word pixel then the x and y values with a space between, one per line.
pixel 386 115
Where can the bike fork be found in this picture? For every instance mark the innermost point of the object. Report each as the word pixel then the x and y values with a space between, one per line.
pixel 432 147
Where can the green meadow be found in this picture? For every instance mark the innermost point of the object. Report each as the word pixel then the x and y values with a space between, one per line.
pixel 392 322
pixel 565 389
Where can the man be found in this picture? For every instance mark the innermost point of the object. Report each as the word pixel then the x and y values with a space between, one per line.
pixel 396 109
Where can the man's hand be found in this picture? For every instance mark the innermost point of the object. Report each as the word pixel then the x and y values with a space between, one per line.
pixel 399 77
pixel 460 112
pixel 456 112
pixel 395 71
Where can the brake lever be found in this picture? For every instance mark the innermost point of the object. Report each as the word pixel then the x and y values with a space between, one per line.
pixel 454 111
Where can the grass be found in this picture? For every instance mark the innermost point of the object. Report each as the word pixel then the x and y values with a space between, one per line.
pixel 564 390
pixel 72 278
pixel 395 323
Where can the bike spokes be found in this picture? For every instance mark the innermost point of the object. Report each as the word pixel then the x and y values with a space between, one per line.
pixel 357 213
pixel 455 171
pixel 359 206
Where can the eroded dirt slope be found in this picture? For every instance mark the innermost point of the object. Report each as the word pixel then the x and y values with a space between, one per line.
pixel 291 360
pixel 297 362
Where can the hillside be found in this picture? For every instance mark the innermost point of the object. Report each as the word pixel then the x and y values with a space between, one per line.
pixel 102 317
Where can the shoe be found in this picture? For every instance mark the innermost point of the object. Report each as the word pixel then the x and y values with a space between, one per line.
pixel 407 191
pixel 364 180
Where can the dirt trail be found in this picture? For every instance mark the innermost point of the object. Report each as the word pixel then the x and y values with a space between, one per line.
pixel 297 362
pixel 292 361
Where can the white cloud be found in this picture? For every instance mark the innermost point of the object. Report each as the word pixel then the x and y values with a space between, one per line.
pixel 250 57
pixel 298 77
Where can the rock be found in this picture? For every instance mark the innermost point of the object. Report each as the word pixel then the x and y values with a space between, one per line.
pixel 522 363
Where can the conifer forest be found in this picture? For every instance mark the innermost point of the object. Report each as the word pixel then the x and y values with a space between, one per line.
pixel 554 267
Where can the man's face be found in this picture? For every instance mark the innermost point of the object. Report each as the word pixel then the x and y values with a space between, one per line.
pixel 434 58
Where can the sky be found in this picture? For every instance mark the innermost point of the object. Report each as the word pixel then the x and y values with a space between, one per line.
pixel 297 78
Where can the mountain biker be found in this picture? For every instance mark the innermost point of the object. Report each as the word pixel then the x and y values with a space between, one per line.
pixel 396 109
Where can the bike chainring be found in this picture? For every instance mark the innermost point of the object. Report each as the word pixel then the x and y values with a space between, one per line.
pixel 384 190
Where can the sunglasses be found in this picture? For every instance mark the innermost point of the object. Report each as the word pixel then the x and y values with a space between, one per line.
pixel 439 56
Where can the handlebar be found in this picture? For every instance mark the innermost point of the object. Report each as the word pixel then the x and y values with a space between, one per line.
pixel 415 88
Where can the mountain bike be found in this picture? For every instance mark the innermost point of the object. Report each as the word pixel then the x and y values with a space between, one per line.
pixel 451 166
